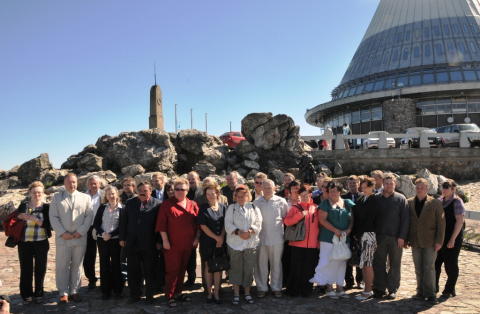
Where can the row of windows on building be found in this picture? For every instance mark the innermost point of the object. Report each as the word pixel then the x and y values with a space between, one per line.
pixel 355 116
pixel 397 54
pixel 412 78
pixel 448 106
pixel 437 31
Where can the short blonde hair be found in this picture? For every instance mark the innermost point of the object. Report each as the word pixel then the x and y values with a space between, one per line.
pixel 181 181
pixel 260 175
pixel 158 174
pixel 36 184
pixel 108 188
pixel 377 172
pixel 422 180
pixel 390 176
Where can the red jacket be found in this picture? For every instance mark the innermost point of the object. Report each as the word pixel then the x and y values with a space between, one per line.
pixel 312 228
pixel 14 227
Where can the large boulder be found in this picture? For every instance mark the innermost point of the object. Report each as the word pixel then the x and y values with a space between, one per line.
pixel 106 178
pixel 152 149
pixel 276 139
pixel 55 176
pixel 34 169
pixel 10 201
pixel 249 164
pixel 89 162
pixel 405 186
pixel 243 148
pixel 204 169
pixel 277 176
pixel 133 170
pixel 431 178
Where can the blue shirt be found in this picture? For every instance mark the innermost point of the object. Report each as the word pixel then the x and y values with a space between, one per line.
pixel 338 217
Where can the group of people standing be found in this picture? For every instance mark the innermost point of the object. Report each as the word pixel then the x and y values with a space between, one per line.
pixel 157 226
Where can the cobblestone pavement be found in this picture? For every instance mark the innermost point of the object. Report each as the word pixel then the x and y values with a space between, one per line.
pixel 466 301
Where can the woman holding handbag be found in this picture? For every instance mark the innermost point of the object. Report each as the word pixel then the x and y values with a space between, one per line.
pixel 363 231
pixel 211 218
pixel 336 219
pixel 35 244
pixel 304 253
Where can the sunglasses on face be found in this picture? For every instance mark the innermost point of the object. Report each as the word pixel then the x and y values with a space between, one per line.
pixel 180 190
pixel 258 182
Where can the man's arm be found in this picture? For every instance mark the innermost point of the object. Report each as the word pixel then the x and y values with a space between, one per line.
pixel 55 217
pixel 87 221
pixel 404 221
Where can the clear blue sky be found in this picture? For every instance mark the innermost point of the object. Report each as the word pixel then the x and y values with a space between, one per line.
pixel 72 71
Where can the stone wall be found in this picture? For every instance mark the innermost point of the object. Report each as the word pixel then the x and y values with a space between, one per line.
pixel 452 162
pixel 398 115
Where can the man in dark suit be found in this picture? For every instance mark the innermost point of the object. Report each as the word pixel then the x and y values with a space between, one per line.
pixel 158 180
pixel 229 189
pixel 137 235
pixel 158 192
pixel 353 183
pixel 287 178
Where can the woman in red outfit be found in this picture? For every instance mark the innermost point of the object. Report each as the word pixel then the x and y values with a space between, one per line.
pixel 177 224
pixel 304 253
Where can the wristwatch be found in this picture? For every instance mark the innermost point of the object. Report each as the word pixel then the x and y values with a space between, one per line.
pixel 236 231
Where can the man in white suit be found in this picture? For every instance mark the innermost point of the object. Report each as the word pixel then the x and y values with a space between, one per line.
pixel 71 216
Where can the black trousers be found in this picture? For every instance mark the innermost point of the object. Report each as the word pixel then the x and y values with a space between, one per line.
pixel 286 261
pixel 90 257
pixel 27 252
pixel 160 270
pixel 135 258
pixel 110 272
pixel 449 257
pixel 303 264
pixel 192 266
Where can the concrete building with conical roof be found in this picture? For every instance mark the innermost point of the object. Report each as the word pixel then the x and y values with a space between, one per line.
pixel 417 65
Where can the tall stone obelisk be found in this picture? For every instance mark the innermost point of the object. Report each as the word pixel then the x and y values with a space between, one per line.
pixel 156 111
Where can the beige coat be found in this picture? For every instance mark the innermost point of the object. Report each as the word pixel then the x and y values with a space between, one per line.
pixel 429 228
pixel 64 218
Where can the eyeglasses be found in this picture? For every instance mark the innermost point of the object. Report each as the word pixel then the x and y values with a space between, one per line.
pixel 128 184
pixel 324 186
pixel 180 190
pixel 258 182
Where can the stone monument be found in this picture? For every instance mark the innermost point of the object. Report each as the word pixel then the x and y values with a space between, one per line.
pixel 156 110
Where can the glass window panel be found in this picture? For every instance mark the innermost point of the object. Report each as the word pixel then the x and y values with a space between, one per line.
pixel 450 47
pixel 444 109
pixel 385 59
pixel 355 116
pixel 399 37
pixel 345 94
pixel 365 115
pixel 427 50
pixel 340 120
pixel 369 87
pixel 427 31
pixel 475 28
pixel 347 118
pixel 456 28
pixel 383 41
pixel 359 89
pixel 456 76
pixel 402 81
pixel 429 110
pixel 379 85
pixel 389 82
pixel 465 29
pixel 340 95
pixel 417 32
pixel 459 108
pixel 352 91
pixel 390 40
pixel 473 47
pixel 416 52
pixel 395 56
pixel 446 29
pixel 377 60
pixel 415 79
pixel 376 114
pixel 407 35
pixel 436 29
pixel 442 77
pixel 428 78
pixel 405 54
pixel 461 47
pixel 470 75
pixel 439 49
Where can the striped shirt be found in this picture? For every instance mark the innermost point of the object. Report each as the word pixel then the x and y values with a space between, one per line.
pixel 111 219
pixel 34 232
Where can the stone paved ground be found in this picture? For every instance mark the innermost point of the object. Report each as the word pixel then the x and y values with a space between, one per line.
pixel 467 300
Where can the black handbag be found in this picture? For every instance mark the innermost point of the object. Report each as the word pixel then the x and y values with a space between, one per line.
pixel 297 231
pixel 354 261
pixel 218 262
pixel 10 242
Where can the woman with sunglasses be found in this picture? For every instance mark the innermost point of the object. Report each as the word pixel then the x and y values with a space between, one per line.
pixel 35 245
pixel 177 224
pixel 454 228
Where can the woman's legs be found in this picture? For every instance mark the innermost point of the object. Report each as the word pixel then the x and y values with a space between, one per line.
pixel 105 271
pixel 41 253
pixel 367 278
pixel 217 282
pixel 208 282
pixel 451 264
pixel 25 256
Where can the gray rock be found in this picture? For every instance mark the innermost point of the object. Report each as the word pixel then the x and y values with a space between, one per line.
pixel 231 159
pixel 106 178
pixel 55 176
pixel 251 156
pixel 9 202
pixel 242 171
pixel 133 170
pixel 277 176
pixel 249 164
pixel 440 180
pixel 4 184
pixel 13 171
pixel 237 166
pixel 3 174
pixel 244 147
pixel 34 169
pixel 89 162
pixel 337 170
pixel 431 178
pixel 70 163
pixel 151 149
pixel 145 177
pixel 54 189
pixel 321 167
pixel 204 169
pixel 90 149
pixel 196 142
pixel 405 186
pixel 252 174
pixel 216 156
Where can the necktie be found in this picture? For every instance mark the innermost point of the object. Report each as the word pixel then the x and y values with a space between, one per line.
pixel 143 205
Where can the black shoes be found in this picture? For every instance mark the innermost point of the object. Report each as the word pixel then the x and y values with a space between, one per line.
pixel 149 301
pixel 418 297
pixel 189 283
pixel 92 285
pixel 432 300
pixel 391 296
pixel 132 300
pixel 378 295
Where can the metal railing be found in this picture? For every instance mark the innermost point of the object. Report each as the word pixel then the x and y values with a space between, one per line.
pixel 382 138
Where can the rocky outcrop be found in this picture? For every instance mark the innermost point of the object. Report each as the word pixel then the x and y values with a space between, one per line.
pixel 35 169
pixel 276 139
pixel 106 178
pixel 405 186
pixel 152 149
pixel 431 178
pixel 204 169
pixel 133 170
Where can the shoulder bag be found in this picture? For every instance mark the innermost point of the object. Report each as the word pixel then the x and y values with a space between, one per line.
pixel 218 262
pixel 297 231
pixel 340 251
